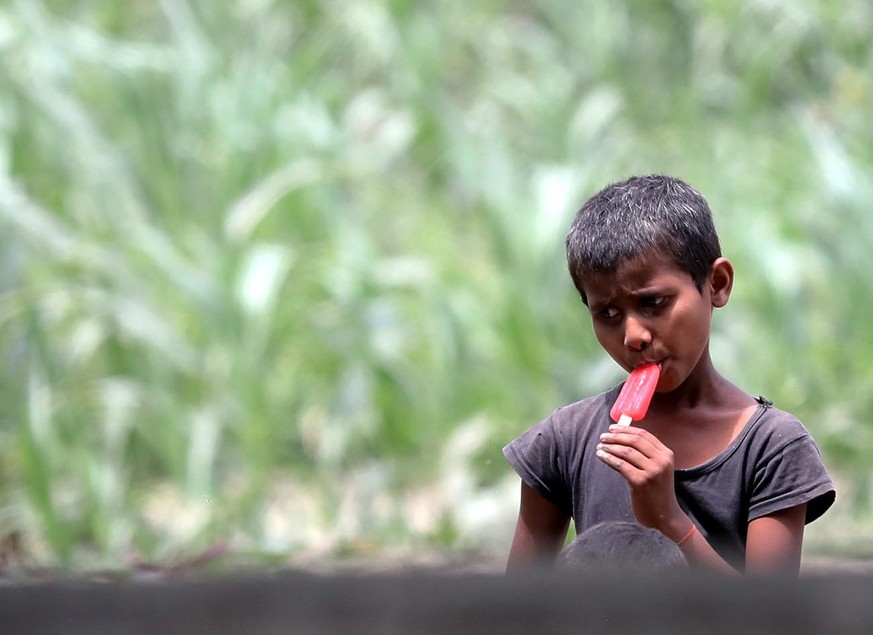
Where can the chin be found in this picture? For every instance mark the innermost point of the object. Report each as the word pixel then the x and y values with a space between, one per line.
pixel 669 381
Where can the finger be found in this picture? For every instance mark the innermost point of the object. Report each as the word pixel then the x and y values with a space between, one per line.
pixel 610 460
pixel 643 444
pixel 617 456
pixel 629 432
pixel 633 432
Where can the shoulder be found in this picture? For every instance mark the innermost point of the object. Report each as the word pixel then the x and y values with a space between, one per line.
pixel 566 426
pixel 776 429
pixel 546 455
pixel 587 410
pixel 788 466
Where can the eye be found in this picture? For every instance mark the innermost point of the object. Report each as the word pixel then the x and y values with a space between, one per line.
pixel 607 313
pixel 653 303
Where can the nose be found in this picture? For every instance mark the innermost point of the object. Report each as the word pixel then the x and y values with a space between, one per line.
pixel 636 335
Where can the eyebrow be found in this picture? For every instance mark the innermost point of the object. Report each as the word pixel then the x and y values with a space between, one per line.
pixel 653 290
pixel 650 291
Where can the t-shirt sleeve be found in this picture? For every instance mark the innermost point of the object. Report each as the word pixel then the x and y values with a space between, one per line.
pixel 791 473
pixel 536 457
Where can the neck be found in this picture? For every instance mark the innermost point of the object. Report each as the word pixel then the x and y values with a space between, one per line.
pixel 704 387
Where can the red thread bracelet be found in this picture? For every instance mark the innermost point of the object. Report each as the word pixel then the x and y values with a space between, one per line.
pixel 688 535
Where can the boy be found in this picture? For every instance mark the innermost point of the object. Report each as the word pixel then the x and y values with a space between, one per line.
pixel 626 547
pixel 727 477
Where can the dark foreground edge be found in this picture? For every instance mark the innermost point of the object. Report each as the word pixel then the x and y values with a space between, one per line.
pixel 424 603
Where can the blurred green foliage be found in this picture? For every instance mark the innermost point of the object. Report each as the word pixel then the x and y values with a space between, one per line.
pixel 288 273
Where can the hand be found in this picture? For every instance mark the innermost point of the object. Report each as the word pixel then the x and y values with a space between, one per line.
pixel 647 466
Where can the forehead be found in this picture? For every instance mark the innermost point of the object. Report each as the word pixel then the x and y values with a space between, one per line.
pixel 648 272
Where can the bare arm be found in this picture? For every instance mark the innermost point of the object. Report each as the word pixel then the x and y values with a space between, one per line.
pixel 773 545
pixel 539 532
pixel 773 542
pixel 647 466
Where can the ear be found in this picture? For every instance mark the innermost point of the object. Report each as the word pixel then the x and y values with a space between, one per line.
pixel 721 281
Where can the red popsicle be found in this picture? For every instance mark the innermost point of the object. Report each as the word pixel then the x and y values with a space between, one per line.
pixel 636 394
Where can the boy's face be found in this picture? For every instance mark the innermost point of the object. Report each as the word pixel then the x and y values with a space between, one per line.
pixel 649 310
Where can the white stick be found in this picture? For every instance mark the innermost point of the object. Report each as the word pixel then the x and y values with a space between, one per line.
pixel 625 420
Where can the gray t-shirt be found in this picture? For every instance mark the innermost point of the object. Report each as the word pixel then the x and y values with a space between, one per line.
pixel 773 464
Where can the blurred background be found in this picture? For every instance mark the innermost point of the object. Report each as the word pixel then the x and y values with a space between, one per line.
pixel 280 278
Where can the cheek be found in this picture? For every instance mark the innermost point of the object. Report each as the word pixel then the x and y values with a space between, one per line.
pixel 692 322
pixel 605 336
pixel 608 342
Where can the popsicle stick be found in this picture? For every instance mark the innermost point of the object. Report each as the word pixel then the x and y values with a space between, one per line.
pixel 625 420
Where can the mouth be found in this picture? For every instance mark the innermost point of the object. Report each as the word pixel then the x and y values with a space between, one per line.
pixel 647 362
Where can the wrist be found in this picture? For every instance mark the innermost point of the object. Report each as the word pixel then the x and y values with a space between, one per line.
pixel 687 536
pixel 679 529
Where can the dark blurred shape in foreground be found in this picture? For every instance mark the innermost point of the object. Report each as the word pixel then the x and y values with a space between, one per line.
pixel 421 603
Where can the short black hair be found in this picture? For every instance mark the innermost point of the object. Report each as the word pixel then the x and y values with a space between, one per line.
pixel 642 214
pixel 622 546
